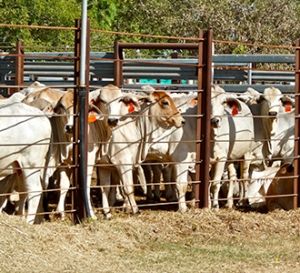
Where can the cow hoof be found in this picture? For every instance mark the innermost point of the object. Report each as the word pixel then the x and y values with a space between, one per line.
pixel 119 198
pixel 215 207
pixel 227 206
pixel 137 213
pixel 108 217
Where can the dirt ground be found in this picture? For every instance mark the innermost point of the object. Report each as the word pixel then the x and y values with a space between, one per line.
pixel 155 241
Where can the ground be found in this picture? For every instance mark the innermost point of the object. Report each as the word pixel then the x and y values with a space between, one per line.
pixel 156 241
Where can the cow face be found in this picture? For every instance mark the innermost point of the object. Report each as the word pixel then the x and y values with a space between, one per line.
pixel 114 104
pixel 272 102
pixel 220 100
pixel 109 100
pixel 164 110
pixel 65 107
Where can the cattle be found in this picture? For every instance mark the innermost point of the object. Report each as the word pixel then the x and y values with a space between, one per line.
pixel 131 141
pixel 282 184
pixel 38 90
pixel 231 140
pixel 104 112
pixel 25 134
pixel 274 126
pixel 15 97
pixel 177 145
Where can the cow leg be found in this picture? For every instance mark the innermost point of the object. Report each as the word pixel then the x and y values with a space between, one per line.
pixel 64 175
pixel 105 182
pixel 114 190
pixel 90 169
pixel 33 186
pixel 148 176
pixel 245 166
pixel 141 177
pixel 181 175
pixel 23 197
pixel 232 179
pixel 170 189
pixel 193 201
pixel 6 186
pixel 126 177
pixel 215 185
pixel 157 169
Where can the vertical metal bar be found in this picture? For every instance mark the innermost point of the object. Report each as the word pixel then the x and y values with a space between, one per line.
pixel 199 122
pixel 297 126
pixel 204 108
pixel 83 119
pixel 117 66
pixel 77 196
pixel 19 67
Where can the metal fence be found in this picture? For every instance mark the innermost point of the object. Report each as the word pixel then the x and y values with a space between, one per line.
pixel 235 73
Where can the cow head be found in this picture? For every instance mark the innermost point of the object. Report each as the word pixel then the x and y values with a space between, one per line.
pixel 163 109
pixel 65 107
pixel 220 100
pixel 273 102
pixel 113 103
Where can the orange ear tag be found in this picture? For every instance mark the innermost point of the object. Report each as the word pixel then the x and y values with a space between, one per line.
pixel 234 111
pixel 131 108
pixel 288 108
pixel 92 117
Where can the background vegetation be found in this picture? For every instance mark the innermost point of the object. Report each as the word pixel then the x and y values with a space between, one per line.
pixel 253 21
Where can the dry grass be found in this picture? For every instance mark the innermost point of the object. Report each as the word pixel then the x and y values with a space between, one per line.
pixel 155 241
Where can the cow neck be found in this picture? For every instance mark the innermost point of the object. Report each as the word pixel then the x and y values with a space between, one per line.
pixel 99 136
pixel 63 140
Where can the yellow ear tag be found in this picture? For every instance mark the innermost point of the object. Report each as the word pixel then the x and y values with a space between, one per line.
pixel 92 117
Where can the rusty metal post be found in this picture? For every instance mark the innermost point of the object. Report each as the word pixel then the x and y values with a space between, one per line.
pixel 19 79
pixel 204 109
pixel 77 196
pixel 297 126
pixel 118 66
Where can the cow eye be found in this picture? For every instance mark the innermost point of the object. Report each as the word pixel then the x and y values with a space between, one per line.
pixel 165 103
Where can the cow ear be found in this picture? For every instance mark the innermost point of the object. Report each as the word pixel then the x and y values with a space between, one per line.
pixel 146 99
pixel 233 103
pixel 132 103
pixel 193 102
pixel 94 113
pixel 287 103
pixel 49 110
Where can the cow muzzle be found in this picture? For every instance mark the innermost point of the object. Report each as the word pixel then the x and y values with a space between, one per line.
pixel 272 114
pixel 215 122
pixel 112 122
pixel 69 129
pixel 178 121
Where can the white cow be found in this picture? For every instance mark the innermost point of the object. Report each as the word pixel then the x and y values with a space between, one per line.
pixel 274 126
pixel 177 145
pixel 282 184
pixel 131 141
pixel 25 134
pixel 104 114
pixel 231 140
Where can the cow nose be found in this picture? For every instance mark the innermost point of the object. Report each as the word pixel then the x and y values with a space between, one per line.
pixel 183 122
pixel 112 121
pixel 214 122
pixel 69 129
pixel 272 114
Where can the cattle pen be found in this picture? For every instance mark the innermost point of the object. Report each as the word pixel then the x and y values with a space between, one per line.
pixel 20 68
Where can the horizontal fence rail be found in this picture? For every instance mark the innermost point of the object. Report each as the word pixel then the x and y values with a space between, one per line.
pixel 235 73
